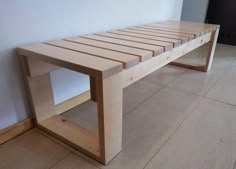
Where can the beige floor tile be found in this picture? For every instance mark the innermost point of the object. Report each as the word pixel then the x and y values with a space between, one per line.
pixel 164 75
pixel 149 125
pixel 205 140
pixel 195 82
pixel 73 162
pixel 31 150
pixel 225 88
pixel 138 92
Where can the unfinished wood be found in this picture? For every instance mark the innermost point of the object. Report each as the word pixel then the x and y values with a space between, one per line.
pixel 182 30
pixel 73 102
pixel 141 70
pixel 15 130
pixel 38 67
pixel 184 38
pixel 155 50
pixel 204 30
pixel 211 51
pixel 167 45
pixel 202 25
pixel 142 54
pixel 72 60
pixel 153 34
pixel 170 32
pixel 126 59
pixel 175 42
pixel 41 95
pixel 75 135
pixel 190 36
pixel 187 25
pixel 109 102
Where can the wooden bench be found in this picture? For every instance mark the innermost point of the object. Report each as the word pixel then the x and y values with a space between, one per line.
pixel 113 60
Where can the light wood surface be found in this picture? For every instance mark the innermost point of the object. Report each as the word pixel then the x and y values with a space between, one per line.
pixel 143 54
pixel 167 45
pixel 126 59
pixel 156 50
pixel 175 42
pixel 15 130
pixel 73 60
pixel 72 132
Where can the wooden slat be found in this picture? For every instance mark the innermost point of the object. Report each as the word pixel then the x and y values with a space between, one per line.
pixel 152 34
pixel 190 36
pixel 126 59
pixel 155 49
pixel 142 54
pixel 74 133
pixel 197 34
pixel 181 37
pixel 194 24
pixel 167 45
pixel 181 27
pixel 81 62
pixel 175 42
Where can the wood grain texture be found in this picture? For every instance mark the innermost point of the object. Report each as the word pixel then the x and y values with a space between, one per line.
pixel 72 60
pixel 167 45
pixel 154 49
pixel 142 54
pixel 126 59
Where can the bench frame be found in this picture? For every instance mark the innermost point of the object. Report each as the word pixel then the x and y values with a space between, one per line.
pixel 107 92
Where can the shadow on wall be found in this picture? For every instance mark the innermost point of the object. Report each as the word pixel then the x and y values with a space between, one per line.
pixel 13 102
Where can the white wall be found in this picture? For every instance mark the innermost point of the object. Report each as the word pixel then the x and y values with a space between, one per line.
pixel 194 10
pixel 27 21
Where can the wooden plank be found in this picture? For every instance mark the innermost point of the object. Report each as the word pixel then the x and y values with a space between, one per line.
pixel 190 36
pixel 156 50
pixel 15 130
pixel 167 45
pixel 211 52
pixel 196 34
pixel 36 65
pixel 183 38
pixel 93 92
pixel 182 27
pixel 196 24
pixel 126 59
pixel 175 42
pixel 73 133
pixel 109 101
pixel 41 95
pixel 81 62
pixel 73 102
pixel 137 72
pixel 142 54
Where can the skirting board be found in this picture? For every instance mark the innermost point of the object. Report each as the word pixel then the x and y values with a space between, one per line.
pixel 15 130
pixel 73 102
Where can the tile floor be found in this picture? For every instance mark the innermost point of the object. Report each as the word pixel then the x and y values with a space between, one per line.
pixel 173 119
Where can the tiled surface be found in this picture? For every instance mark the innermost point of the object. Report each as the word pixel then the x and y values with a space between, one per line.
pixel 174 119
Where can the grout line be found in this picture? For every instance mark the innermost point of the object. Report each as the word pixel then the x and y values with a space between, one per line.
pixel 53 165
pixel 181 123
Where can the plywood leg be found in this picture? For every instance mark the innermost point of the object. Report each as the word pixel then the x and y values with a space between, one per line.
pixel 93 88
pixel 209 59
pixel 211 52
pixel 109 101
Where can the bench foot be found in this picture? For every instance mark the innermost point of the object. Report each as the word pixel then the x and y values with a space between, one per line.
pixel 108 93
pixel 209 58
